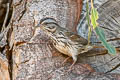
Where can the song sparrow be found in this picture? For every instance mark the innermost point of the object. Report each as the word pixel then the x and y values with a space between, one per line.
pixel 62 39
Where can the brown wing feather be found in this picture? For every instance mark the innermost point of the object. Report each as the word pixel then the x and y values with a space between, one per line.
pixel 76 38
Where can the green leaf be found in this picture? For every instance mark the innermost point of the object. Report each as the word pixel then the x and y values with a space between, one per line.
pixel 102 32
pixel 94 17
pixel 111 49
pixel 87 15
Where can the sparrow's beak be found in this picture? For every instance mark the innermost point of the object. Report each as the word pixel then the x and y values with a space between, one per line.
pixel 38 25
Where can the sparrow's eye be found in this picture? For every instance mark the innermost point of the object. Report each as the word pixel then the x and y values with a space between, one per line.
pixel 51 28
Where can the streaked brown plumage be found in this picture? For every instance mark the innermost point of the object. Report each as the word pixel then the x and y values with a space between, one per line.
pixel 63 40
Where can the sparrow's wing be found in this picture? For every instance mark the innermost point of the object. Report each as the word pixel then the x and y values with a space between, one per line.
pixel 76 38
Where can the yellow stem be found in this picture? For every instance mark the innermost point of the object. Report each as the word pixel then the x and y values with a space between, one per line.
pixel 92 4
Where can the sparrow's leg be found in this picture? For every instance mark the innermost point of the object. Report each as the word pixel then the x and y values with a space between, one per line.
pixel 65 60
pixel 74 61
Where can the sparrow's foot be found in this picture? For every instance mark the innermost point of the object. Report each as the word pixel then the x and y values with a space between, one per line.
pixel 70 68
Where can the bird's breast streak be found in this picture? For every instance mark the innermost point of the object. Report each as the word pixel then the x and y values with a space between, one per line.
pixel 62 48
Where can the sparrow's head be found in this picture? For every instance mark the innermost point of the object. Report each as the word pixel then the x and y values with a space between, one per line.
pixel 48 25
pixel 47 19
